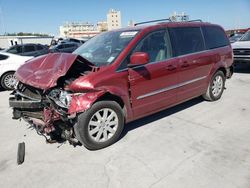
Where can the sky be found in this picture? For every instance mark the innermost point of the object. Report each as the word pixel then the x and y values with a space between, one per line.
pixel 45 16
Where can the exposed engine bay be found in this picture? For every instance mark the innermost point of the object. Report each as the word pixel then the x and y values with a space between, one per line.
pixel 47 110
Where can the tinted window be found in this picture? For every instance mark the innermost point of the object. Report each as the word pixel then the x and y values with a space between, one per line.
pixel 39 47
pixel 3 57
pixel 69 45
pixel 156 45
pixel 60 46
pixel 215 37
pixel 15 50
pixel 187 40
pixel 29 48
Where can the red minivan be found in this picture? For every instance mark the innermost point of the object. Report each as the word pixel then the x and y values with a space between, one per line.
pixel 119 76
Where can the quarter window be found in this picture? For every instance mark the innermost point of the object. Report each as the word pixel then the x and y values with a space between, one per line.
pixel 187 40
pixel 156 45
pixel 215 37
pixel 29 48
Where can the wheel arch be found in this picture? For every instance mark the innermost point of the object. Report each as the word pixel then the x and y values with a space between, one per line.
pixel 3 74
pixel 112 97
pixel 9 71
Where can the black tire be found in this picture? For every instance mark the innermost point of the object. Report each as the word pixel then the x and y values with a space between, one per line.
pixel 3 81
pixel 81 128
pixel 209 95
pixel 20 153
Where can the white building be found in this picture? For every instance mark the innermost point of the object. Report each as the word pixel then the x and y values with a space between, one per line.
pixel 102 26
pixel 78 30
pixel 114 19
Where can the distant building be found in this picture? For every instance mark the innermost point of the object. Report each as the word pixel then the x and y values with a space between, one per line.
pixel 102 26
pixel 7 41
pixel 114 19
pixel 78 30
pixel 175 17
pixel 87 30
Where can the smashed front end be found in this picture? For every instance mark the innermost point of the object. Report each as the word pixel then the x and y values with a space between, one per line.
pixel 43 98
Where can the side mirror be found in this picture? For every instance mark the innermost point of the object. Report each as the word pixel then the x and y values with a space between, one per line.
pixel 138 58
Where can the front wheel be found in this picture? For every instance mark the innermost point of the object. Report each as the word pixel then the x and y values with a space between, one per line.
pixel 100 126
pixel 8 81
pixel 215 87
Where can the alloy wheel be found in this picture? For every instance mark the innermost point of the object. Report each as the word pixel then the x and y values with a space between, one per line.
pixel 103 125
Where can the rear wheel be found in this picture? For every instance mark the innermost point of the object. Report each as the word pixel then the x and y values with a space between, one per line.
pixel 100 126
pixel 216 87
pixel 8 81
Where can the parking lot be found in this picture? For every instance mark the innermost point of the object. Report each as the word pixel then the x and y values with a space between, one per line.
pixel 196 144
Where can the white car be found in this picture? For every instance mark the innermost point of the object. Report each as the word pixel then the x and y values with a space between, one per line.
pixel 9 63
pixel 241 49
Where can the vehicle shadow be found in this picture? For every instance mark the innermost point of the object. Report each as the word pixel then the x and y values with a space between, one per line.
pixel 149 119
pixel 243 68
pixel 1 89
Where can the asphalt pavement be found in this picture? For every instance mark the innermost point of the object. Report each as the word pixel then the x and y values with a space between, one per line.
pixel 196 144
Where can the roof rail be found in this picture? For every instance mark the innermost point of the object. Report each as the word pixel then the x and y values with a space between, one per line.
pixel 198 20
pixel 140 23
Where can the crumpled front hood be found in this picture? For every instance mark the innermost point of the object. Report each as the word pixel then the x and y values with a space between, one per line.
pixel 44 71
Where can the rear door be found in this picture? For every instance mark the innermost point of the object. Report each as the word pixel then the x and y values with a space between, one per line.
pixel 151 84
pixel 193 60
pixel 29 50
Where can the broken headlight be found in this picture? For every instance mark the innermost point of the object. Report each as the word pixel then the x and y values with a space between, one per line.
pixel 60 97
pixel 65 98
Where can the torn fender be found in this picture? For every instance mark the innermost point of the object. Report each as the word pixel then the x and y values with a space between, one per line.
pixel 83 101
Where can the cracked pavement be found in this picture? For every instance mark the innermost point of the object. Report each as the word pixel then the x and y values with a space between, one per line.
pixel 195 144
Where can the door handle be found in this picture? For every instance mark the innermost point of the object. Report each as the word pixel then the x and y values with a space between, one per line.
pixel 170 67
pixel 185 64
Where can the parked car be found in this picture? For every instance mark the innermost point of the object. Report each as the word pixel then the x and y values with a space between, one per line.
pixel 72 40
pixel 65 47
pixel 235 37
pixel 28 50
pixel 120 76
pixel 9 63
pixel 241 49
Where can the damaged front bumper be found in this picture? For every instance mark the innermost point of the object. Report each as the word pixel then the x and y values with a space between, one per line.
pixel 53 112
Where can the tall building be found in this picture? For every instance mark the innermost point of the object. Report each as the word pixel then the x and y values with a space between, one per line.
pixel 88 30
pixel 114 19
pixel 78 30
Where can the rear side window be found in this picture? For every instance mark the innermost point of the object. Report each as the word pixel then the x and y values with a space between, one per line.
pixel 215 37
pixel 187 40
pixel 39 47
pixel 29 48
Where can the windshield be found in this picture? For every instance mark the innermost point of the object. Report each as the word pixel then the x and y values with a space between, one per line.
pixel 105 48
pixel 246 37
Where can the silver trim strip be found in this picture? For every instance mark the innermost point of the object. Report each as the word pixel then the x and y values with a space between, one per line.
pixel 170 88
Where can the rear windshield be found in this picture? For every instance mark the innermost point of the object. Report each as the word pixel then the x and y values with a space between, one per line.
pixel 215 37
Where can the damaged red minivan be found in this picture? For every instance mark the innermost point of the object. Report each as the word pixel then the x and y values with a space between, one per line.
pixel 119 76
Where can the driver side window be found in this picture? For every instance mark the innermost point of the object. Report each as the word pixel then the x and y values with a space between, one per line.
pixel 156 45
